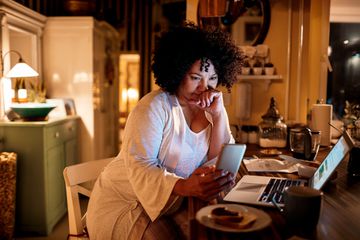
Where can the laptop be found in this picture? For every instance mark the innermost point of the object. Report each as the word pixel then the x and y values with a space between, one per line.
pixel 262 190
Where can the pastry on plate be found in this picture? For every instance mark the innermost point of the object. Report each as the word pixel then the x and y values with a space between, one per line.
pixel 232 218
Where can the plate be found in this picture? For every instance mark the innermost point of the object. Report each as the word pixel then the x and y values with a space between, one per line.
pixel 263 219
pixel 270 152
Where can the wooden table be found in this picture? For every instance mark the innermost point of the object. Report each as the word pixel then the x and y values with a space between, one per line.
pixel 339 218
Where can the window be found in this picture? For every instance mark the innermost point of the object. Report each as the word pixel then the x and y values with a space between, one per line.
pixel 344 53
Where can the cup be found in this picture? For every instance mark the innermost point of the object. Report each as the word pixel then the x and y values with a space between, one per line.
pixel 304 143
pixel 302 207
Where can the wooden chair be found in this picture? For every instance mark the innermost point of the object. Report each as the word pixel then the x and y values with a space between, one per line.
pixel 74 176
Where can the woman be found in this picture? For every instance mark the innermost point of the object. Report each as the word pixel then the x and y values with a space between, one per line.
pixel 168 137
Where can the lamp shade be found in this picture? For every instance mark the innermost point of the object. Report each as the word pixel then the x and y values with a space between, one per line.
pixel 20 70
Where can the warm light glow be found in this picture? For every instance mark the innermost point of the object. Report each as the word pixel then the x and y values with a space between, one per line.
pixel 130 94
pixel 81 77
pixel 124 95
pixel 346 42
pixel 21 70
pixel 22 93
pixel 8 94
pixel 56 77
pixel 329 50
pixel 133 94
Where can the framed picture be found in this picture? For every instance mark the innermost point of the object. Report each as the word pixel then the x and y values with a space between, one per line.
pixel 70 106
pixel 246 29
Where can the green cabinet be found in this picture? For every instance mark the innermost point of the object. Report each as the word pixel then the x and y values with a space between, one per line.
pixel 43 149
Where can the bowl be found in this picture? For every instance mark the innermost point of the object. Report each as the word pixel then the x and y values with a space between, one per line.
pixel 32 111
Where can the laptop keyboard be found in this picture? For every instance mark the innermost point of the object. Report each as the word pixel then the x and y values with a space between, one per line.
pixel 275 187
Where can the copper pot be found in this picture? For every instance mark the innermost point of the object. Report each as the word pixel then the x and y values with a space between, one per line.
pixel 80 7
pixel 212 8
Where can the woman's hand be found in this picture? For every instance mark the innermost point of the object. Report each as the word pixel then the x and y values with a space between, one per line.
pixel 205 183
pixel 210 101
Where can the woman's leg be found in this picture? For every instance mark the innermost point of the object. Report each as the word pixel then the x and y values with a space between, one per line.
pixel 163 228
pixel 174 226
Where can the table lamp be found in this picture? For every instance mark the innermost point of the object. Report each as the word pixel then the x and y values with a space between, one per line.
pixel 20 70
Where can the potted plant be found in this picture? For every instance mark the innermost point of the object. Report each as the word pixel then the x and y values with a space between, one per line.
pixel 269 68
pixel 257 68
pixel 245 70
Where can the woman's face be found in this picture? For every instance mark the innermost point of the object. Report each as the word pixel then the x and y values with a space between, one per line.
pixel 198 79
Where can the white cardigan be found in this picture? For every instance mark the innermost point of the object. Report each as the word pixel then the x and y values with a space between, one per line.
pixel 158 149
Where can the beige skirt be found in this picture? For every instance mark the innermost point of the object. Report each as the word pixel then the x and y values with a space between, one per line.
pixel 166 227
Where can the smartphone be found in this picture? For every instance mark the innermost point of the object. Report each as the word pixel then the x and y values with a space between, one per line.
pixel 230 157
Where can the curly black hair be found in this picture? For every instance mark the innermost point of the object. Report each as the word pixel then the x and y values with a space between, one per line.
pixel 180 47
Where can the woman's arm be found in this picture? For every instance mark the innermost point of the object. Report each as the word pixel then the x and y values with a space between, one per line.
pixel 143 136
pixel 211 101
pixel 220 133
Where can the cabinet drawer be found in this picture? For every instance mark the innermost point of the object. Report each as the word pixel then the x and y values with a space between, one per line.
pixel 69 130
pixel 61 133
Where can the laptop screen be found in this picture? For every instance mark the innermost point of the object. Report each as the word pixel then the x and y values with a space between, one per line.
pixel 332 160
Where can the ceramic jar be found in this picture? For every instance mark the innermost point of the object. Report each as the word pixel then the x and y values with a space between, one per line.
pixel 272 129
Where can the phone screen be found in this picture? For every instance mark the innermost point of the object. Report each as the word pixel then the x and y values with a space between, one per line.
pixel 230 157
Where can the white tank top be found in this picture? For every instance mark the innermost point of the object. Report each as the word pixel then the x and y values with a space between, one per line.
pixel 194 150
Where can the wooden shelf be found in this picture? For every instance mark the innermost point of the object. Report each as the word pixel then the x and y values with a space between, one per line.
pixel 266 79
pixel 260 77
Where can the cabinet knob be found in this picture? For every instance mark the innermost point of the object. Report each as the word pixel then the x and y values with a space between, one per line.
pixel 71 129
pixel 57 135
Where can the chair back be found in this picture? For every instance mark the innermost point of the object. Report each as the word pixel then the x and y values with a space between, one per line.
pixel 74 176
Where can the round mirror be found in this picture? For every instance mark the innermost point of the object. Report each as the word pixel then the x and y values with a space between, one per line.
pixel 248 21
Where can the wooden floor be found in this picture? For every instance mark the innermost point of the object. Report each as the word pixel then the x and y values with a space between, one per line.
pixel 60 230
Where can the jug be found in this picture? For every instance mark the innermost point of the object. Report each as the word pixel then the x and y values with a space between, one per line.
pixel 304 143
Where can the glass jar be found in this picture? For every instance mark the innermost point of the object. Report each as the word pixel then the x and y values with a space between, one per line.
pixel 272 130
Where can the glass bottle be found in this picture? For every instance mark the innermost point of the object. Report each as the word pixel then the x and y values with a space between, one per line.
pixel 272 129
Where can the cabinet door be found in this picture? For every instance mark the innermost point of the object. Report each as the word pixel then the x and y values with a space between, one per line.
pixel 71 152
pixel 55 188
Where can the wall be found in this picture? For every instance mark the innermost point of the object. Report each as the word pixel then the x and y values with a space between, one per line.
pixel 345 11
pixel 298 38
pixel 76 50
pixel 21 30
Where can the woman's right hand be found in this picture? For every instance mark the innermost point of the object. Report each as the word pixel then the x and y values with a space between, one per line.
pixel 205 183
